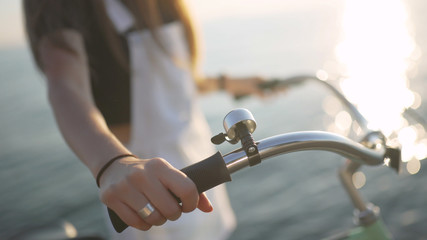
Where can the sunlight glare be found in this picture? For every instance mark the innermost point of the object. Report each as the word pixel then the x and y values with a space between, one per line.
pixel 322 75
pixel 70 230
pixel 417 101
pixel 421 150
pixel 343 120
pixel 376 52
pixel 331 105
pixel 413 166
pixel 359 179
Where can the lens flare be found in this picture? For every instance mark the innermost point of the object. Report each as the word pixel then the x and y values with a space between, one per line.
pixel 413 166
pixel 343 120
pixel 359 179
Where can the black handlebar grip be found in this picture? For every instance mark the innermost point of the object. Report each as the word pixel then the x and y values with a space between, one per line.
pixel 206 174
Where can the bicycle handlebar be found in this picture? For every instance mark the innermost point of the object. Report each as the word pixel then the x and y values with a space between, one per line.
pixel 216 169
pixel 308 140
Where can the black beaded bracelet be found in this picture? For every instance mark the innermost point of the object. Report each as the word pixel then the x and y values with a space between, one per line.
pixel 98 177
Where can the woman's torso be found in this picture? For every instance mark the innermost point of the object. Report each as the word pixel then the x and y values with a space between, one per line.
pixel 166 121
pixel 158 94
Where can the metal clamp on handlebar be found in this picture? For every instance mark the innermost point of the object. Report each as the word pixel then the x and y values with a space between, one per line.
pixel 239 124
pixel 248 144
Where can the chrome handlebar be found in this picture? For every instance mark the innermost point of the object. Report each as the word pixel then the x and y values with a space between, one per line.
pixel 309 140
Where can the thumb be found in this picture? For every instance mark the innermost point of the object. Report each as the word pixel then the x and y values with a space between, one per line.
pixel 204 204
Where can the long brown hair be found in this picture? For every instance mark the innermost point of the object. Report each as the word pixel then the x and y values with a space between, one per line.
pixel 45 17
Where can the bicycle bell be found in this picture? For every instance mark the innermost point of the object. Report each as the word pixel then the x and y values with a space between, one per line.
pixel 233 118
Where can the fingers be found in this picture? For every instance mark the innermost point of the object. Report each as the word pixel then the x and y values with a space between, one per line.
pixel 246 86
pixel 176 182
pixel 148 181
pixel 183 188
pixel 204 204
pixel 124 211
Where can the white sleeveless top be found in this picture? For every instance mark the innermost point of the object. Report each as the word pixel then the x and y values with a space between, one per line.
pixel 167 122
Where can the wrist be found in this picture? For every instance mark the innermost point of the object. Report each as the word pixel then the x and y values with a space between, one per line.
pixel 108 164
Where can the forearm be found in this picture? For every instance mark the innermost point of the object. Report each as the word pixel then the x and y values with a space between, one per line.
pixel 210 84
pixel 240 86
pixel 128 184
pixel 83 126
pixel 69 89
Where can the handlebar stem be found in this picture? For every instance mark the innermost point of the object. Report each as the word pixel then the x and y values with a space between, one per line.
pixel 345 174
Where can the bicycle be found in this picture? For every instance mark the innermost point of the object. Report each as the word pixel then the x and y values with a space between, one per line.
pixel 373 149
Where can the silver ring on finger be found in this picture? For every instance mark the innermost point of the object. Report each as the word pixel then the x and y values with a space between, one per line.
pixel 146 211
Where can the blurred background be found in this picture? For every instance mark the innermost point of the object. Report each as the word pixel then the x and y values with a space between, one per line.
pixel 373 50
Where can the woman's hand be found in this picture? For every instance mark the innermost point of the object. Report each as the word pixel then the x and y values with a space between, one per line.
pixel 129 184
pixel 244 86
pixel 239 87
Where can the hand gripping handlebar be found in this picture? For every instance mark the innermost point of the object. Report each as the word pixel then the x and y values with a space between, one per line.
pixel 216 169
